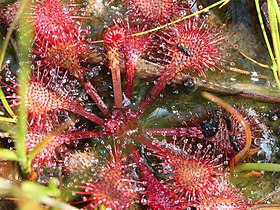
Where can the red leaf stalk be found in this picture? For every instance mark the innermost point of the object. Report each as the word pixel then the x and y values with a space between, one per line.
pixel 96 98
pixel 186 132
pixel 129 77
pixel 112 40
pixel 159 197
pixel 153 94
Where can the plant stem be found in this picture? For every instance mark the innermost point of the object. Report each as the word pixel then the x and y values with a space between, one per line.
pixel 3 51
pixel 25 37
pixel 76 108
pixel 96 98
pixel 263 30
pixel 11 30
pixel 239 156
pixel 6 119
pixel 6 154
pixel 6 105
pixel 102 207
pixel 276 8
pixel 153 94
pixel 187 132
pixel 254 61
pixel 258 167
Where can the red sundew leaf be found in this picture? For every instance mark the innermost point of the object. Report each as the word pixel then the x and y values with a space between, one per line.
pixel 51 21
pixel 193 47
pixel 110 186
pixel 156 195
pixel 47 157
pixel 157 12
pixel 226 199
pixel 191 170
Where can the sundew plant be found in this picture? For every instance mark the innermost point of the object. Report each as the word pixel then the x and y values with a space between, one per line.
pixel 139 104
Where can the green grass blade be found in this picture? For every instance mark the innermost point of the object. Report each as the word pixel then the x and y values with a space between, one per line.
pixel 277 10
pixel 7 119
pixel 6 104
pixel 225 2
pixel 274 32
pixel 274 64
pixel 102 207
pixel 263 31
pixel 254 61
pixel 25 39
pixel 6 154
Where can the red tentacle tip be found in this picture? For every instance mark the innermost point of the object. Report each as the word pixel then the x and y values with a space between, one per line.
pixel 113 37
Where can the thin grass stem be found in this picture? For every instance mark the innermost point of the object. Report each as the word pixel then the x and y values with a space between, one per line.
pixel 274 64
pixel 254 61
pixel 222 2
pixel 277 10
